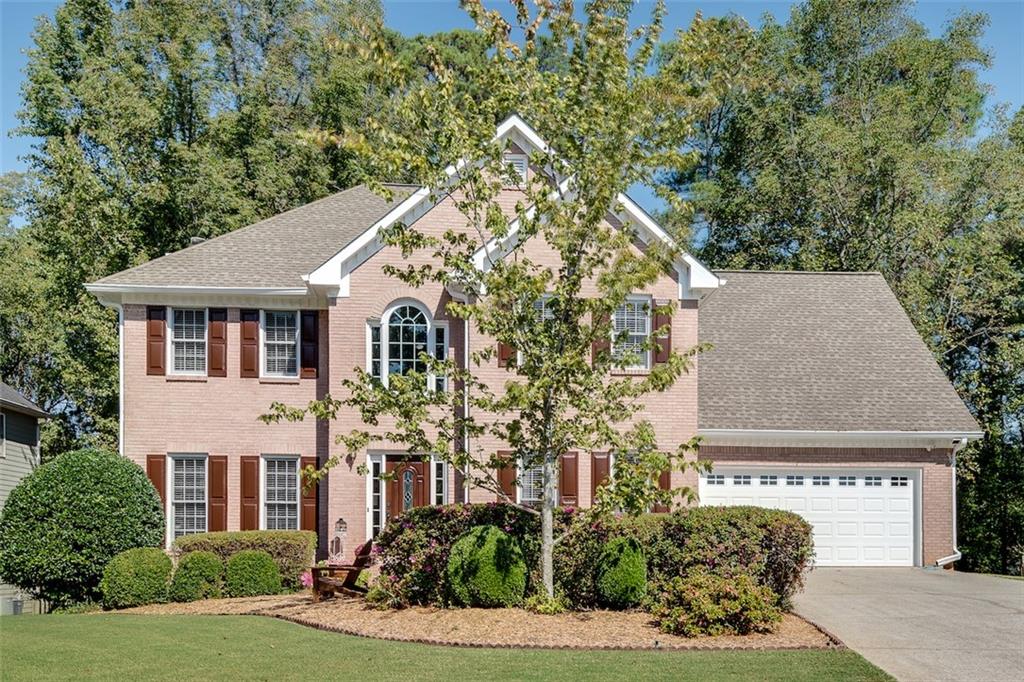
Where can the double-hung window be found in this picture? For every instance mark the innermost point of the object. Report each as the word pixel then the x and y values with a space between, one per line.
pixel 531 484
pixel 281 483
pixel 280 343
pixel 188 340
pixel 631 331
pixel 188 495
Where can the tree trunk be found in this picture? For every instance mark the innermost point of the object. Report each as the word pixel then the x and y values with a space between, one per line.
pixel 547 523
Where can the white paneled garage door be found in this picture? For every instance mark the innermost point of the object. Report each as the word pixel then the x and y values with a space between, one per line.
pixel 862 517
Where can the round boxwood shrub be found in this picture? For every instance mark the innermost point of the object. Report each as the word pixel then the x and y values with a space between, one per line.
pixel 486 568
pixel 622 577
pixel 252 572
pixel 135 578
pixel 199 576
pixel 64 522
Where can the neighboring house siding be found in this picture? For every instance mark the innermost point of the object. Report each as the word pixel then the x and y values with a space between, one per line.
pixel 936 476
pixel 19 457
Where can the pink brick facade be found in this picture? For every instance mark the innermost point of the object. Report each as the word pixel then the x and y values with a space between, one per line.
pixel 219 416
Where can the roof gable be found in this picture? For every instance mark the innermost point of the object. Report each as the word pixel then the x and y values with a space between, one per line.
pixel 696 279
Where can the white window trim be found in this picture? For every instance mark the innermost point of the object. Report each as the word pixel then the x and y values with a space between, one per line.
pixel 263 488
pixel 382 323
pixel 648 302
pixel 264 374
pixel 169 487
pixel 169 351
pixel 520 470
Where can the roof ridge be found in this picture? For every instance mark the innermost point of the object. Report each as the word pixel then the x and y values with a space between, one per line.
pixel 842 272
pixel 239 230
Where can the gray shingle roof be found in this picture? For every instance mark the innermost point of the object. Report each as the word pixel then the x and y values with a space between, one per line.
pixel 16 402
pixel 275 252
pixel 818 351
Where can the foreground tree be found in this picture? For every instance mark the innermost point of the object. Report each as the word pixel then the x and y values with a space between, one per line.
pixel 848 139
pixel 609 122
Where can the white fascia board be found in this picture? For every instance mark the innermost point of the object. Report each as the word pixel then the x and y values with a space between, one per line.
pixel 97 288
pixel 331 272
pixel 772 437
pixel 335 271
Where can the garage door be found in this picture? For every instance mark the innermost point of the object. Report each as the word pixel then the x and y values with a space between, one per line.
pixel 860 517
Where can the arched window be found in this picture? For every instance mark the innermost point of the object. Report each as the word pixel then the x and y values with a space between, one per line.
pixel 398 340
pixel 407 338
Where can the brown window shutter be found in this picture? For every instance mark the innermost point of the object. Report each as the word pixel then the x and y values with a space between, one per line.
pixel 601 345
pixel 156 335
pixel 663 349
pixel 156 471
pixel 250 336
pixel 568 480
pixel 507 479
pixel 310 333
pixel 217 492
pixel 506 355
pixel 600 472
pixel 250 472
pixel 665 483
pixel 307 512
pixel 217 346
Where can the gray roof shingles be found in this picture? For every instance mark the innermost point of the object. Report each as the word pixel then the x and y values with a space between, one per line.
pixel 273 253
pixel 818 352
pixel 16 402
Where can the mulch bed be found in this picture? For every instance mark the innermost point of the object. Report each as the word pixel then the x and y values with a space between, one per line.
pixel 495 627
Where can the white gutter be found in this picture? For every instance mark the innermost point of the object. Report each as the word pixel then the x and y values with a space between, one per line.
pixel 955 556
pixel 99 288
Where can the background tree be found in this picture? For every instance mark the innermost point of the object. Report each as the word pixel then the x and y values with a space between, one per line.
pixel 610 121
pixel 848 139
pixel 159 122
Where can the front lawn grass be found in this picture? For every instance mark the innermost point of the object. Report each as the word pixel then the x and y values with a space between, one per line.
pixel 121 646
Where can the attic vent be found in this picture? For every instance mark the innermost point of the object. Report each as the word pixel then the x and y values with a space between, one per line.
pixel 519 163
pixel 196 240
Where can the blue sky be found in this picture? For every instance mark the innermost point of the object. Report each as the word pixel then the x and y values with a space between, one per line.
pixel 1003 39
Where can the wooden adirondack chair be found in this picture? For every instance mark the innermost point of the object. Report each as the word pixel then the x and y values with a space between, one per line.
pixel 330 580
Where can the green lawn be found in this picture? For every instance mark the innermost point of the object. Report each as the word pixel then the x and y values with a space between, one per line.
pixel 112 646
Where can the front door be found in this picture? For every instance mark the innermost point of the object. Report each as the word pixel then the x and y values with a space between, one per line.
pixel 410 486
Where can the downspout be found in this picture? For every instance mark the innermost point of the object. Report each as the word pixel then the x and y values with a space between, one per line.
pixel 120 379
pixel 958 445
pixel 465 405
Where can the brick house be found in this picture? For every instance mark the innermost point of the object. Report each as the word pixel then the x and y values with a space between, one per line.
pixel 819 396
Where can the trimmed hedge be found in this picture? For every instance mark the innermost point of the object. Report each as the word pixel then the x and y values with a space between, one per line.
pixel 65 521
pixel 413 549
pixel 135 578
pixel 704 603
pixel 292 550
pixel 486 568
pixel 251 573
pixel 622 571
pixel 199 575
pixel 772 546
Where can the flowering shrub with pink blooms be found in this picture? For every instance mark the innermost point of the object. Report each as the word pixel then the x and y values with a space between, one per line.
pixel 306 579
pixel 412 551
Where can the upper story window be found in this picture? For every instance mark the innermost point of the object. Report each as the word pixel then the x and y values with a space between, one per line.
pixel 397 343
pixel 188 340
pixel 280 330
pixel 631 329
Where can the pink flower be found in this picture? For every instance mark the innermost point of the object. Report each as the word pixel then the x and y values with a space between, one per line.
pixel 306 579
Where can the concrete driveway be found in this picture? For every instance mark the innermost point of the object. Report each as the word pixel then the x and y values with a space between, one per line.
pixel 921 624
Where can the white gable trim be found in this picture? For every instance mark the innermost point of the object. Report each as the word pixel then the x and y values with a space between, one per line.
pixel 334 274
